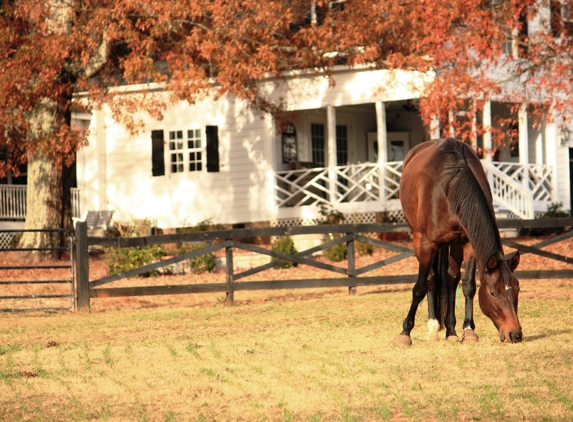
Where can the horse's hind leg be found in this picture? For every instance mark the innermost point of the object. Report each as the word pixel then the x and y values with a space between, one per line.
pixel 425 255
pixel 469 289
pixel 453 279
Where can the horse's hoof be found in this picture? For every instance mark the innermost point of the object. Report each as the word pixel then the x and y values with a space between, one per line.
pixel 453 339
pixel 469 336
pixel 403 340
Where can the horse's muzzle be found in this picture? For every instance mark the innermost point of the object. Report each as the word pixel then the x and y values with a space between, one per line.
pixel 515 336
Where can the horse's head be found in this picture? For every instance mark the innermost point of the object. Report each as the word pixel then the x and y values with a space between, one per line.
pixel 498 295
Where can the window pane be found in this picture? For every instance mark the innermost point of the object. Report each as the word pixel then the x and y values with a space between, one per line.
pixel 317 139
pixel 341 145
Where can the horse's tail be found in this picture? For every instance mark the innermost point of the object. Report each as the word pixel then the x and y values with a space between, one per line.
pixel 441 288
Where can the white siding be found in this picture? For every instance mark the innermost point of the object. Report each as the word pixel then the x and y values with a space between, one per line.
pixel 238 193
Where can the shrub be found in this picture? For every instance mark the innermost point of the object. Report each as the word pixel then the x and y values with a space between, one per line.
pixel 121 259
pixel 330 215
pixel 124 259
pixel 203 226
pixel 364 249
pixel 202 264
pixel 336 253
pixel 284 244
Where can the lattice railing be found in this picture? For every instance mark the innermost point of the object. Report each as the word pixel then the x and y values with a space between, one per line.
pixel 352 183
pixel 358 183
pixel 515 186
pixel 296 188
pixel 537 178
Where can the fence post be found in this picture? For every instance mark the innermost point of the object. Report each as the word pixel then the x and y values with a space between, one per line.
pixel 230 299
pixel 351 264
pixel 82 267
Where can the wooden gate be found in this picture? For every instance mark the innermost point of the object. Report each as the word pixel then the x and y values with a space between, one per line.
pixel 47 287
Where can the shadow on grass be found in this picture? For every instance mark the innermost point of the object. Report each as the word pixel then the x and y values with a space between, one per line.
pixel 550 333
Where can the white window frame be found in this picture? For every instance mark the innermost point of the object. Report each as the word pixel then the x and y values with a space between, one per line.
pixel 185 151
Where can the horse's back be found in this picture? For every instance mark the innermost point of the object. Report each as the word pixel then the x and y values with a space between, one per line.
pixel 427 172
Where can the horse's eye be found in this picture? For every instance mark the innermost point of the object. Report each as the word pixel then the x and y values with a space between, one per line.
pixel 493 293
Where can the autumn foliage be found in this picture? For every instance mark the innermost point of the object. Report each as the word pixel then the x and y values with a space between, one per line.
pixel 57 55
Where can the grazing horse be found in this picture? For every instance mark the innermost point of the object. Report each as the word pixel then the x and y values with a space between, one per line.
pixel 447 202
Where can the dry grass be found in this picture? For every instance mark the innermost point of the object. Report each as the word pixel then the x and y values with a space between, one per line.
pixel 309 355
pixel 322 358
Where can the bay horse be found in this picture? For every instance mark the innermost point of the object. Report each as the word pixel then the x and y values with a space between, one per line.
pixel 447 202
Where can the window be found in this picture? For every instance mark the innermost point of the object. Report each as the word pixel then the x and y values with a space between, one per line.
pixel 185 154
pixel 194 150
pixel 176 151
pixel 186 151
pixel 341 145
pixel 317 144
pixel 561 19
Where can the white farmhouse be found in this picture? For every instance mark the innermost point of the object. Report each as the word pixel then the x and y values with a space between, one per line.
pixel 343 146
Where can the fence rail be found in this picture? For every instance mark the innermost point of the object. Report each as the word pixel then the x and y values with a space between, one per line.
pixel 227 241
pixel 39 286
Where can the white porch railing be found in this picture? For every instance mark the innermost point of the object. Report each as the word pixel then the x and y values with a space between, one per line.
pixel 13 202
pixel 520 188
pixel 352 183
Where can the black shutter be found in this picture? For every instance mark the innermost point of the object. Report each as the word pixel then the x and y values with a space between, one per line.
pixel 157 153
pixel 212 133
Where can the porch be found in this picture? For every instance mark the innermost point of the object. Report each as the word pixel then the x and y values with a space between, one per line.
pixel 520 190
pixel 13 202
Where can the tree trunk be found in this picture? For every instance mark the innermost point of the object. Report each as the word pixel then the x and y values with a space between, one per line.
pixel 48 201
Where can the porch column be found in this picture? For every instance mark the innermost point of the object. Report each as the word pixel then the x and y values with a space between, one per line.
pixel 523 135
pixel 451 120
pixel 435 127
pixel 486 121
pixel 382 139
pixel 551 142
pixel 331 152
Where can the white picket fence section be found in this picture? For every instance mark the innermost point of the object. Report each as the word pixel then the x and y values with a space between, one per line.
pixel 521 189
pixel 13 202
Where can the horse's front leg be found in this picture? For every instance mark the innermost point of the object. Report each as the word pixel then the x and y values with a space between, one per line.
pixel 425 255
pixel 469 289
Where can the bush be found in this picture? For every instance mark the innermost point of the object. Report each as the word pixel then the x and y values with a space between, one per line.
pixel 364 249
pixel 284 244
pixel 121 259
pixel 124 259
pixel 203 226
pixel 336 253
pixel 202 264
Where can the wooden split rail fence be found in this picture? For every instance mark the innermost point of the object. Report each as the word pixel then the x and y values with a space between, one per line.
pixel 229 240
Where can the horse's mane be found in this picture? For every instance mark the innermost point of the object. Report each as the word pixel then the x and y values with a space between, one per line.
pixel 470 203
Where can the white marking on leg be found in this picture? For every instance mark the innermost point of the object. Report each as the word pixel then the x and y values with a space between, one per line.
pixel 433 326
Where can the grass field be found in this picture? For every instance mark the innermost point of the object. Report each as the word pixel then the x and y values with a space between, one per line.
pixel 295 356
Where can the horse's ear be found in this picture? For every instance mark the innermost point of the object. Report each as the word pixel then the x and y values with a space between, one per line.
pixel 513 261
pixel 492 263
